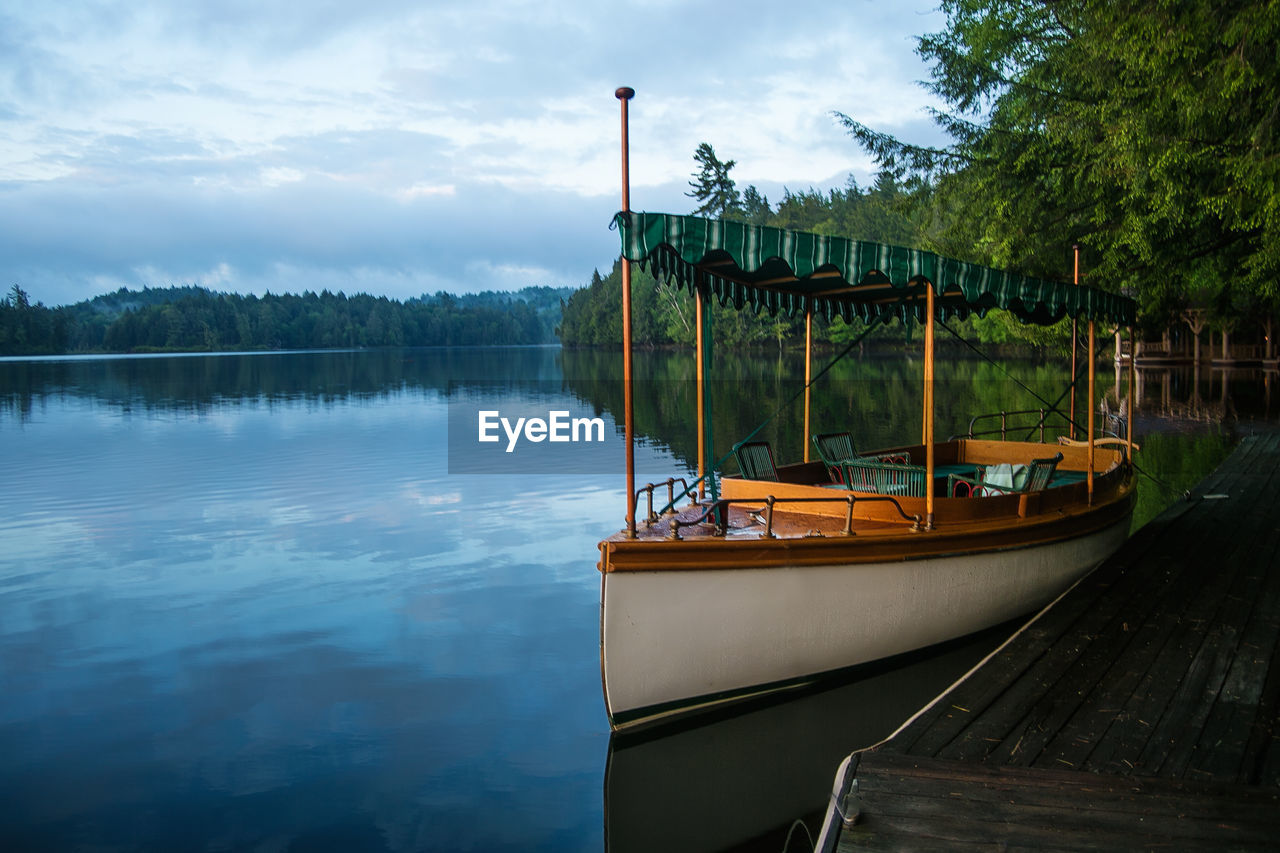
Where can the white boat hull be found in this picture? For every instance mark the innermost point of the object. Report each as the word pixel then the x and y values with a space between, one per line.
pixel 676 640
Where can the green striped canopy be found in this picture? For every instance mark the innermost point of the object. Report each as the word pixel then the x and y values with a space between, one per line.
pixel 771 269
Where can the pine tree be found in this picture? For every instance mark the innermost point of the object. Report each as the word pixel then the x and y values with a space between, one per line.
pixel 712 186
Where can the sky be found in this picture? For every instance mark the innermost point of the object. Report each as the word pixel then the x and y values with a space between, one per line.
pixel 402 147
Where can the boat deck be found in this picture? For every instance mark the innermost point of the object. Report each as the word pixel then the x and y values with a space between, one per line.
pixel 1142 709
pixel 749 523
pixel 810 505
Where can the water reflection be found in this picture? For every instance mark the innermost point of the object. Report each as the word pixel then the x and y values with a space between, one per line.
pixel 245 605
pixel 740 783
pixel 268 619
pixel 202 383
pixel 877 396
pixel 1179 396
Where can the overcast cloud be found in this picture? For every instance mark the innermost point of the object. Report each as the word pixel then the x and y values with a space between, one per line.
pixel 406 147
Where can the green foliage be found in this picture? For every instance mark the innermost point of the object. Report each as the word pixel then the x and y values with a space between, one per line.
pixel 755 206
pixel 713 189
pixel 1145 131
pixel 30 329
pixel 1001 327
pixel 196 319
pixel 661 313
pixel 887 213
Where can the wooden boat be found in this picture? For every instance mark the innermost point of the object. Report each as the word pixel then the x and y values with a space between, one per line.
pixel 776 579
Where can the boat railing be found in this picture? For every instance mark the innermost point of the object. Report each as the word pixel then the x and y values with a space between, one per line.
pixel 716 512
pixel 647 490
pixel 1030 420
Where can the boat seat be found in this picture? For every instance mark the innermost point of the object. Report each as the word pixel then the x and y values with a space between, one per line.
pixel 1033 477
pixel 884 478
pixel 836 448
pixel 755 461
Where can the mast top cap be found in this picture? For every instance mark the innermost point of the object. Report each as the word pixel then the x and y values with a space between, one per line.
pixel 624 93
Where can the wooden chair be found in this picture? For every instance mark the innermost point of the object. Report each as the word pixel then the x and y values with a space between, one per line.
pixel 836 448
pixel 755 461
pixel 1036 479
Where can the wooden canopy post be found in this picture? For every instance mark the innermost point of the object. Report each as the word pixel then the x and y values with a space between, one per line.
pixel 928 406
pixel 701 389
pixel 1133 403
pixel 1092 371
pixel 624 94
pixel 1075 279
pixel 808 376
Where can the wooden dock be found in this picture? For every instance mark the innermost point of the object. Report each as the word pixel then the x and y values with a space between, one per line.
pixel 1139 711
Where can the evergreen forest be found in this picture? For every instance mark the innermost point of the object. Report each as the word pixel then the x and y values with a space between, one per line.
pixel 193 319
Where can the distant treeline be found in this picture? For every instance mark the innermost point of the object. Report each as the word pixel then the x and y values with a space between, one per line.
pixel 197 319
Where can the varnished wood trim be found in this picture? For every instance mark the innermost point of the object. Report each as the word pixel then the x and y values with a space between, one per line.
pixel 868 547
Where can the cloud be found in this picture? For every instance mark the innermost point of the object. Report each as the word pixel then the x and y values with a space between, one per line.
pixel 312 234
pixel 399 146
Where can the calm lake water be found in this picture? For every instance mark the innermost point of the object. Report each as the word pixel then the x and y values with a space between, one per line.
pixel 269 602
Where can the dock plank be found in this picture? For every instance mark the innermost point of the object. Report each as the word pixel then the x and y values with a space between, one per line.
pixel 1115 660
pixel 1141 711
pixel 909 802
pixel 951 727
pixel 1102 606
pixel 1238 704
pixel 1135 695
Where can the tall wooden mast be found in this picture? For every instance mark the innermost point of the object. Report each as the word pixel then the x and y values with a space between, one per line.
pixel 624 94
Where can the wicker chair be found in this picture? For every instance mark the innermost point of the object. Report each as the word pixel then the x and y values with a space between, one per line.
pixel 836 448
pixel 884 478
pixel 755 461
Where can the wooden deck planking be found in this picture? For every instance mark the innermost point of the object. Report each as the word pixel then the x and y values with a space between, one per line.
pixel 1158 670
pixel 1140 685
pixel 1263 749
pixel 910 802
pixel 1238 709
pixel 1199 714
pixel 1088 655
pixel 976 714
